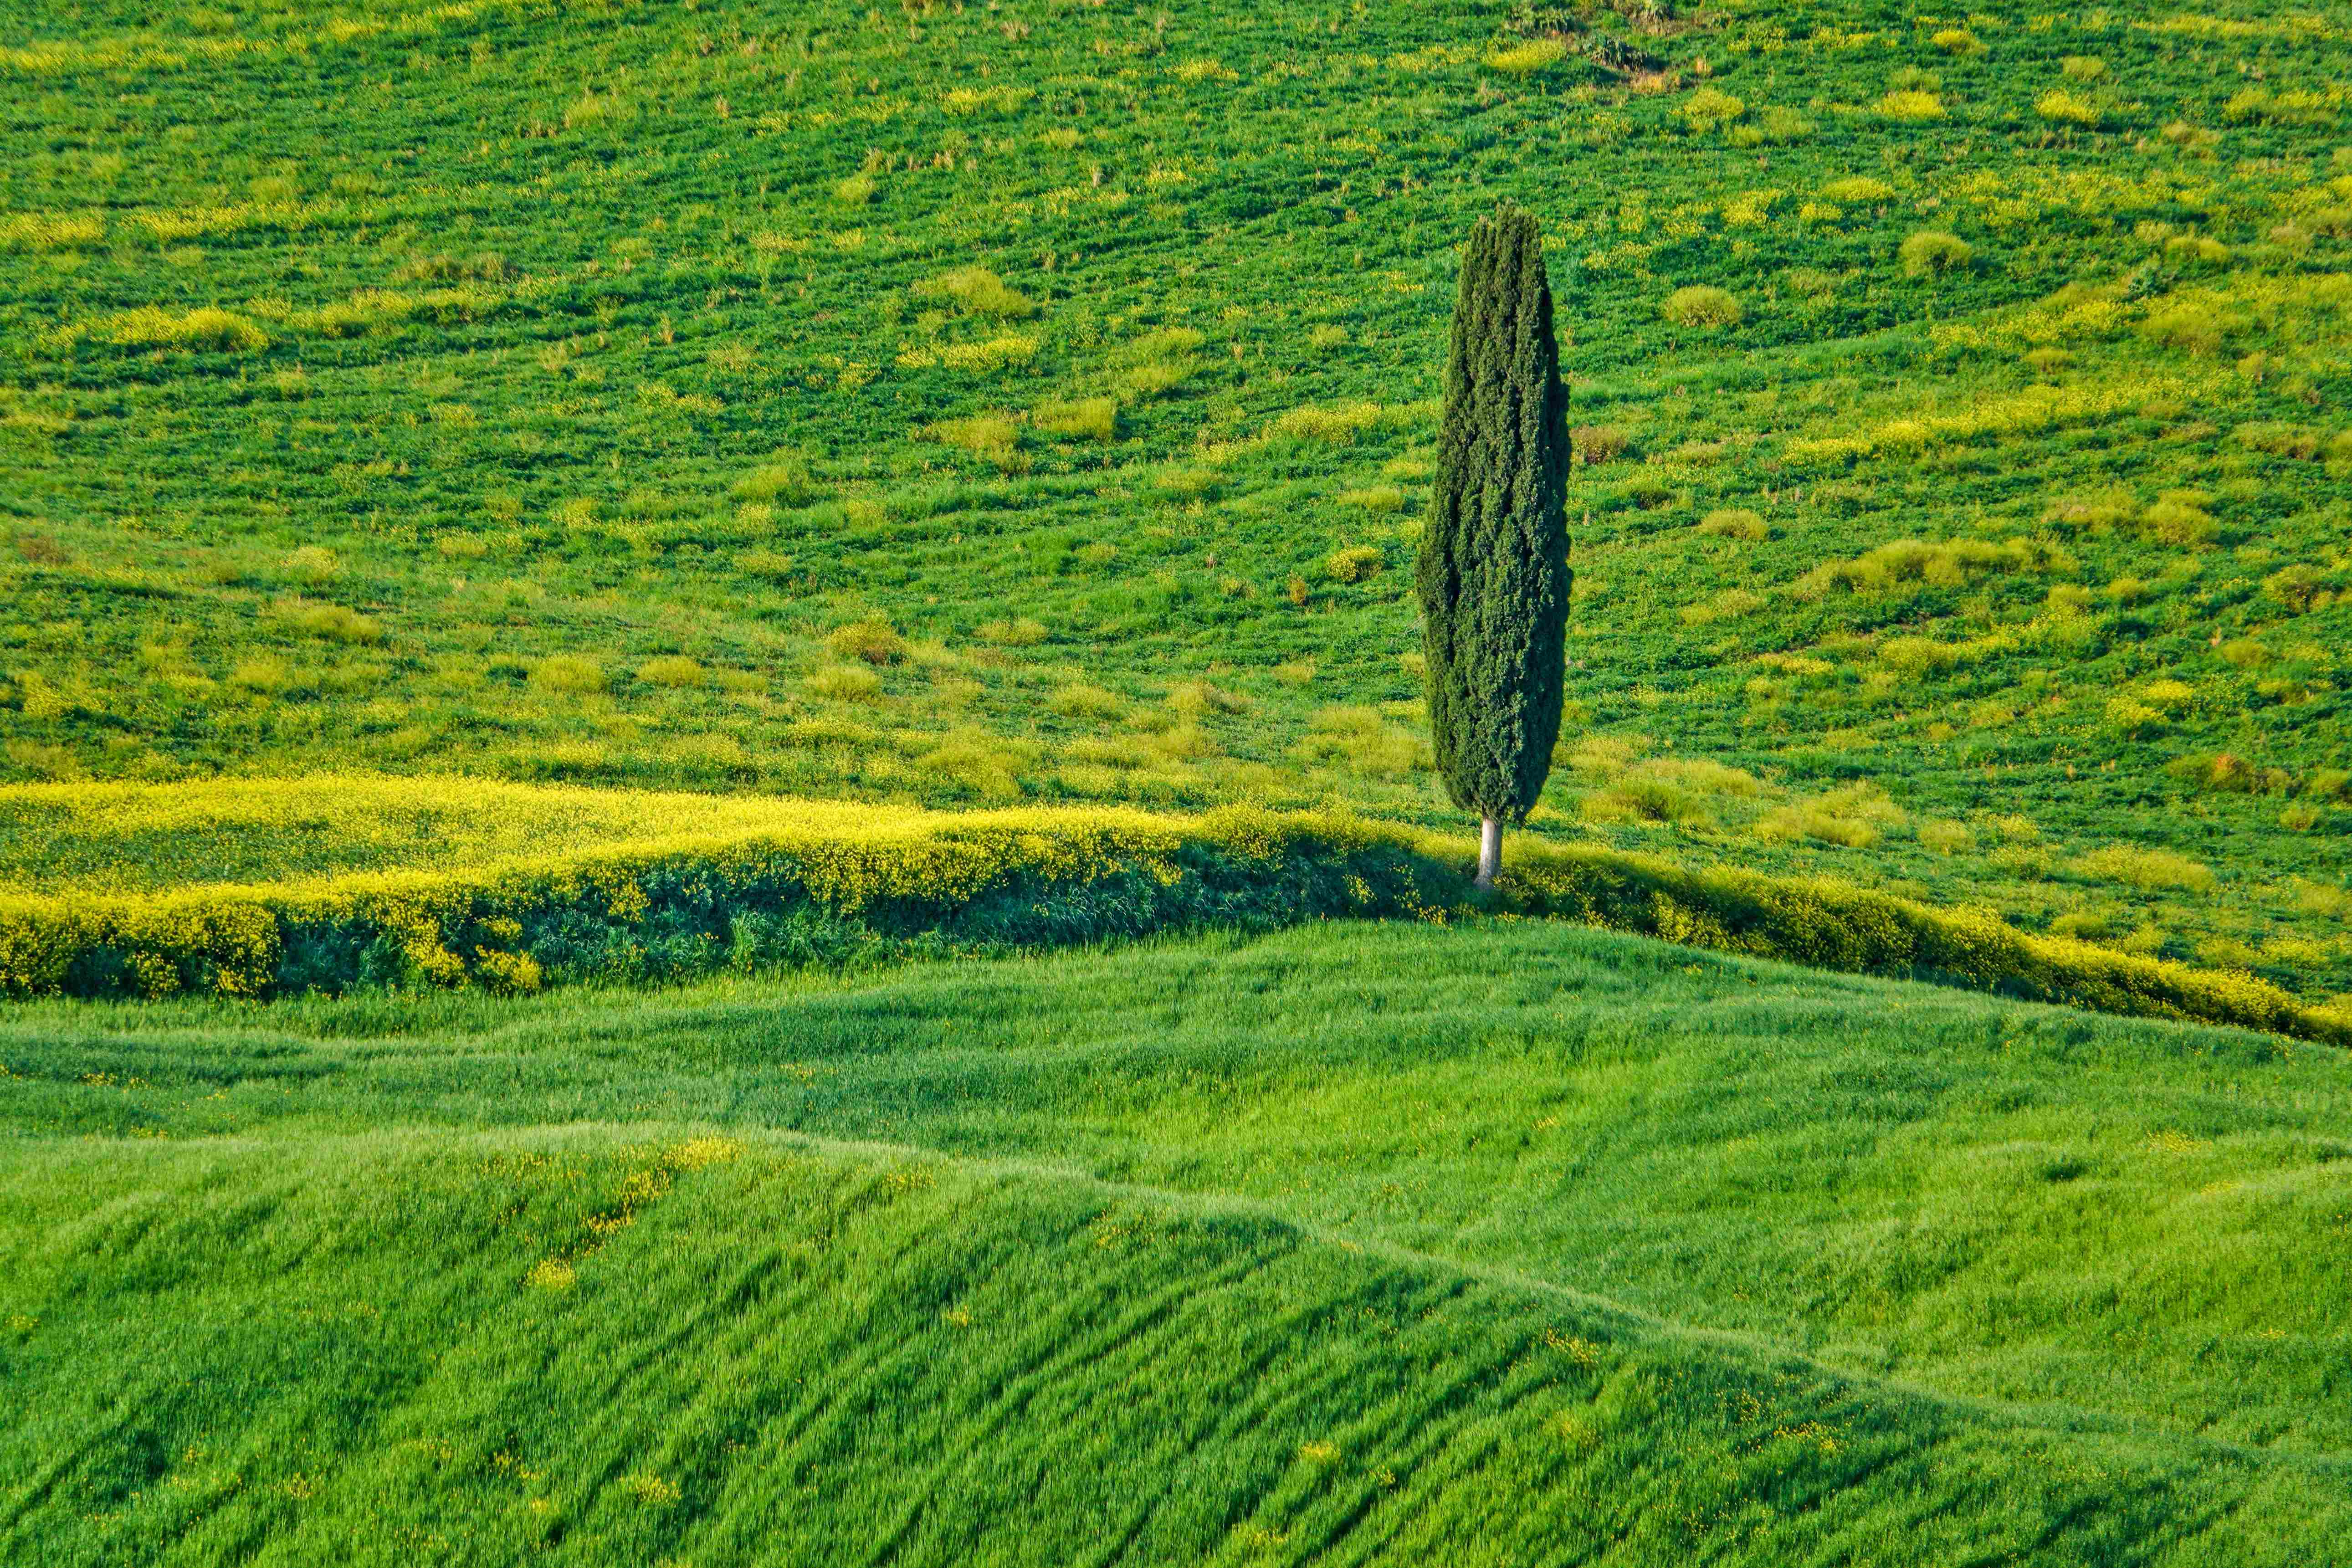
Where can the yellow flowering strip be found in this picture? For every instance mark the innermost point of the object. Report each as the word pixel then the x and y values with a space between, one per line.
pixel 819 881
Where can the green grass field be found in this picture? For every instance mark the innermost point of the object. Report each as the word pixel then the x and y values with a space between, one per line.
pixel 565 391
pixel 1504 1244
pixel 444 443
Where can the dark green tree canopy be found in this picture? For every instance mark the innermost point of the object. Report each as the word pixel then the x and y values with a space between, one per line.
pixel 1493 574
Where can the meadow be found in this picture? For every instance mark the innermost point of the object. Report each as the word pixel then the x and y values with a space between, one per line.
pixel 1499 1244
pixel 716 840
pixel 971 404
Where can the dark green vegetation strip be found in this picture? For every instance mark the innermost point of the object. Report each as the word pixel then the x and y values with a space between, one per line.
pixel 993 882
pixel 1363 1244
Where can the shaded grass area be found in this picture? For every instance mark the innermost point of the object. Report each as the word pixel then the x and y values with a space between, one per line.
pixel 1346 1243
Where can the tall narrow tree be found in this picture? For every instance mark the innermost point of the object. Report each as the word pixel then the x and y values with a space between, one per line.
pixel 1493 575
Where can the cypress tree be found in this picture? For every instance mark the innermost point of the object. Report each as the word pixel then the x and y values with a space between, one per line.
pixel 1493 573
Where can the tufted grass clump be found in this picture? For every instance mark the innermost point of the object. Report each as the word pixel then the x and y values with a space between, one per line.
pixel 153 326
pixel 787 481
pixel 1711 108
pixel 1702 305
pixel 1950 564
pixel 979 291
pixel 1090 419
pixel 1910 106
pixel 2179 517
pixel 994 436
pixel 1083 700
pixel 1853 817
pixel 1931 252
pixel 1947 837
pixel 843 683
pixel 1337 426
pixel 1378 499
pixel 568 674
pixel 330 622
pixel 2064 108
pixel 1592 444
pixel 2194 326
pixel 1724 604
pixel 1858 190
pixel 676 671
pixel 1355 563
pixel 989 355
pixel 1736 523
pixel 1362 741
pixel 1016 631
pixel 871 641
pixel 1525 59
pixel 2147 867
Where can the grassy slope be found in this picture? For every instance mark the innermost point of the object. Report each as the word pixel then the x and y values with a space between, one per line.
pixel 1503 1243
pixel 500 477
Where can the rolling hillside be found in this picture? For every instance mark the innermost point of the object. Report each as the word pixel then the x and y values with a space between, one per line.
pixel 964 404
pixel 1354 1244
pixel 717 839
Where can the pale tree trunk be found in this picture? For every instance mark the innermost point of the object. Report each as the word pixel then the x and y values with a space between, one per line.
pixel 1490 850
